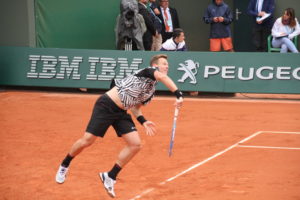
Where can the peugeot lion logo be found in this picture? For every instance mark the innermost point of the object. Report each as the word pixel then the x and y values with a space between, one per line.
pixel 190 69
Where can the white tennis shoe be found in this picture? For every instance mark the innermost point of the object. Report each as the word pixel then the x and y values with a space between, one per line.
pixel 61 174
pixel 108 183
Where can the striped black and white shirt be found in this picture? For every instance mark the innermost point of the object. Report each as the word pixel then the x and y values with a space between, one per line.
pixel 137 88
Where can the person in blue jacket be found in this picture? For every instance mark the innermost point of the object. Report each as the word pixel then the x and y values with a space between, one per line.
pixel 219 16
pixel 262 14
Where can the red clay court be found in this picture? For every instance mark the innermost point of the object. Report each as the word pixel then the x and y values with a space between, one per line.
pixel 233 148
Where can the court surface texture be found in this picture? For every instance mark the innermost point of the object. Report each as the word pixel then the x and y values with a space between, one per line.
pixel 224 149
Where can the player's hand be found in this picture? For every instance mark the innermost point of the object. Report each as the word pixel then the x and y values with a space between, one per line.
pixel 150 128
pixel 178 103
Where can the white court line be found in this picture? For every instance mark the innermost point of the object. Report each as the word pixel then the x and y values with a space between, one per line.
pixel 268 147
pixel 282 132
pixel 144 193
pixel 196 165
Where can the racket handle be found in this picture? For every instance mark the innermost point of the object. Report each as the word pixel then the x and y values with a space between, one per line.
pixel 176 112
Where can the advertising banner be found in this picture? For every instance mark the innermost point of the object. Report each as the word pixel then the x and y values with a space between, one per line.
pixel 191 71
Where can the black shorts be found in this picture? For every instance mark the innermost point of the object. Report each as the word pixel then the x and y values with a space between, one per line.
pixel 107 113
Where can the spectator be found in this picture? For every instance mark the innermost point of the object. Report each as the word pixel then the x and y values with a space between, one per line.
pixel 262 13
pixel 147 37
pixel 157 39
pixel 284 30
pixel 169 18
pixel 176 43
pixel 219 16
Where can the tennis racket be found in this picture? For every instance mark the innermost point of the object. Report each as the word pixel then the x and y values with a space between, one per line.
pixel 173 131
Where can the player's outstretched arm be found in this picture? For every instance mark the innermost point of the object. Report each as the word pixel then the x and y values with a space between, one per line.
pixel 148 125
pixel 168 82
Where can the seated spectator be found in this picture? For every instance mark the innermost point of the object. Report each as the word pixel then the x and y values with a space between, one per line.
pixel 219 16
pixel 176 43
pixel 284 30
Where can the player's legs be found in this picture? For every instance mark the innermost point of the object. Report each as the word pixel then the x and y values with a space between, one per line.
pixel 133 146
pixel 126 129
pixel 85 141
pixel 97 126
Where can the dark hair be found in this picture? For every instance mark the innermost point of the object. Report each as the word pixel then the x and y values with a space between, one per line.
pixel 291 13
pixel 154 59
pixel 177 32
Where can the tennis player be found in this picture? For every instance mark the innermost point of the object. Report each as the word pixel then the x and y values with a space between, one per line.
pixel 111 108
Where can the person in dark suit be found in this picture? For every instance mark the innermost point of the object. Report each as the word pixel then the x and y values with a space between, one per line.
pixel 259 10
pixel 151 31
pixel 169 18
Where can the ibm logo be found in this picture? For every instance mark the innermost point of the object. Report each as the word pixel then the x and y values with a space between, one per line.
pixel 62 67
